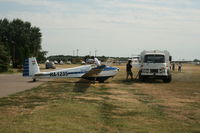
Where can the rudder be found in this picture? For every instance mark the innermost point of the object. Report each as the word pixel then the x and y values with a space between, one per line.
pixel 30 67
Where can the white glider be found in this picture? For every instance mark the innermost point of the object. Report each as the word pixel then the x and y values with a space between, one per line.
pixel 94 72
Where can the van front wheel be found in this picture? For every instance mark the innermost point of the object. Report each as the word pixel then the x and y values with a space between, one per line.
pixel 168 79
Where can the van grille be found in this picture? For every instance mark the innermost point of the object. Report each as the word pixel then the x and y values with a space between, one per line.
pixel 154 70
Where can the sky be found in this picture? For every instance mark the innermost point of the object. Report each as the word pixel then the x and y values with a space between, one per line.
pixel 120 28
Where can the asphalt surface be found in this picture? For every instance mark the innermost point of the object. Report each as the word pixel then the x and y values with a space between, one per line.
pixel 13 83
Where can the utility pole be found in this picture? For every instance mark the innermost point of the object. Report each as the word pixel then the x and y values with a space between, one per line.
pixel 95 53
pixel 77 51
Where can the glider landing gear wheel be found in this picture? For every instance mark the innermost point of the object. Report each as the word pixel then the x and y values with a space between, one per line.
pixel 101 81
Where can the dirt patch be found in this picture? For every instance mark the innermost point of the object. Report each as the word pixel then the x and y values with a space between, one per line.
pixel 89 98
pixel 123 99
pixel 122 95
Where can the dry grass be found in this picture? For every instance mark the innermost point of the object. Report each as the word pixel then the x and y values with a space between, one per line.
pixel 123 106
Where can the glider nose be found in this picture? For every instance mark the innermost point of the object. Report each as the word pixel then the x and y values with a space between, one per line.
pixel 117 69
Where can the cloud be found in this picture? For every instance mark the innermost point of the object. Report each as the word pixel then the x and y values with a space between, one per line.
pixel 46 3
pixel 111 15
pixel 109 22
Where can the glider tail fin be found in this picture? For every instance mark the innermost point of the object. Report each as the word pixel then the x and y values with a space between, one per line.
pixel 30 67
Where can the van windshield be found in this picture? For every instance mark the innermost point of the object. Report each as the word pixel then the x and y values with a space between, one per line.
pixel 154 59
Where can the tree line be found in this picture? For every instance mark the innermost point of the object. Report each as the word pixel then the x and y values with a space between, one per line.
pixel 18 41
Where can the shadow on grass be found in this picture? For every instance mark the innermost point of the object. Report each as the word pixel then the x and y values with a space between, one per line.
pixel 149 81
pixel 153 81
pixel 106 110
pixel 129 82
pixel 81 86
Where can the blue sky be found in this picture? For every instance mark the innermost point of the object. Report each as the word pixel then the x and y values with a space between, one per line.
pixel 112 27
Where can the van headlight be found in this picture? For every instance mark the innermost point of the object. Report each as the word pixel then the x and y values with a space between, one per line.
pixel 162 70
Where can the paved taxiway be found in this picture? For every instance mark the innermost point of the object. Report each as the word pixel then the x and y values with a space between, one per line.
pixel 12 83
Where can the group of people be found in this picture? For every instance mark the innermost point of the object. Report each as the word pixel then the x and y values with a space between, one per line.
pixel 173 66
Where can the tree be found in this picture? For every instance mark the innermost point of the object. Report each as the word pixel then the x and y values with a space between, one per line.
pixel 21 39
pixel 42 56
pixel 4 59
pixel 196 60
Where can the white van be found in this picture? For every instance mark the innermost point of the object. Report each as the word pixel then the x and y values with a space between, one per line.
pixel 155 64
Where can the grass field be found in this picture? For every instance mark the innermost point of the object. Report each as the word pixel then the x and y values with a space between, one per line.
pixel 117 106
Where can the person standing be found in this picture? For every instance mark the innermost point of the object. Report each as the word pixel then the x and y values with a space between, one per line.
pixel 128 70
pixel 179 67
pixel 173 66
